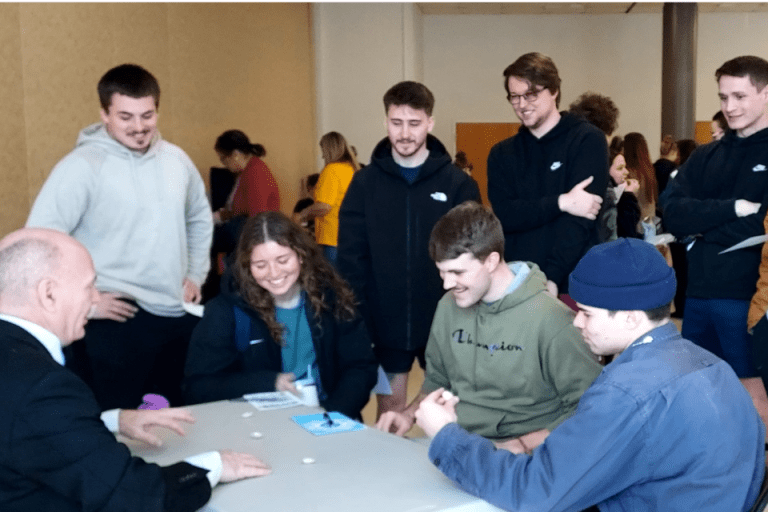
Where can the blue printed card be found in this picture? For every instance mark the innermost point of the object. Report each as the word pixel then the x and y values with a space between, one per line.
pixel 329 423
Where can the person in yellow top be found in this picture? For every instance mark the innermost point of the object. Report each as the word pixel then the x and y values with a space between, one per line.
pixel 340 165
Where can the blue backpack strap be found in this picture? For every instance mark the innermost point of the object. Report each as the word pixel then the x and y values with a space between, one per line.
pixel 242 329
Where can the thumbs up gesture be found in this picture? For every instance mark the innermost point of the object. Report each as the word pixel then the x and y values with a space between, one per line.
pixel 579 202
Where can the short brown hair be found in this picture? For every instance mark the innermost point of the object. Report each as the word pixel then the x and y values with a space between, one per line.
pixel 537 69
pixel 467 228
pixel 747 65
pixel 413 94
pixel 129 80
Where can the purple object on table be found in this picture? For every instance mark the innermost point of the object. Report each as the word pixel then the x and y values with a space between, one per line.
pixel 154 402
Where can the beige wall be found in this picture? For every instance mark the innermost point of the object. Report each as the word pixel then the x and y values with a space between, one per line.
pixel 463 58
pixel 361 51
pixel 220 66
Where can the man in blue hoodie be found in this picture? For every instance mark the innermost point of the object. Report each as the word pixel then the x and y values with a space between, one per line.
pixel 665 427
pixel 546 183
pixel 138 204
pixel 385 220
pixel 720 198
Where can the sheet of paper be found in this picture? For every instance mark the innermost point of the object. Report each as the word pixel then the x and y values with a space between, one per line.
pixel 749 242
pixel 382 386
pixel 318 424
pixel 194 309
pixel 272 400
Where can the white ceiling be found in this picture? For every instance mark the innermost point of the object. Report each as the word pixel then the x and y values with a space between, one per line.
pixel 576 8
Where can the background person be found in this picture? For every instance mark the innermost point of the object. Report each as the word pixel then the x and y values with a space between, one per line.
pixel 640 167
pixel 546 184
pixel 308 186
pixel 720 198
pixel 719 125
pixel 255 188
pixel 669 160
pixel 384 224
pixel 340 165
pixel 285 315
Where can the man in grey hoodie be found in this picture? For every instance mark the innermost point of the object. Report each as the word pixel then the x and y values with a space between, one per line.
pixel 499 340
pixel 138 204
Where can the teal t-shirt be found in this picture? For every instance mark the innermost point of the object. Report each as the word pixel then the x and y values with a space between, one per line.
pixel 297 351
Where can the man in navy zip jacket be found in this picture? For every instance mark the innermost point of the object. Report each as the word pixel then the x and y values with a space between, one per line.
pixel 720 197
pixel 546 184
pixel 384 225
pixel 666 427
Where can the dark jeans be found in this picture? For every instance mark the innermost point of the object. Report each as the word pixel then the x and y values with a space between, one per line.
pixel 720 326
pixel 121 362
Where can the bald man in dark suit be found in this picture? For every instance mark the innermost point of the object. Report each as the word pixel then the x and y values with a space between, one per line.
pixel 56 454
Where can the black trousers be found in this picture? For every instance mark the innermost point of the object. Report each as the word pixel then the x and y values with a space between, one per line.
pixel 121 362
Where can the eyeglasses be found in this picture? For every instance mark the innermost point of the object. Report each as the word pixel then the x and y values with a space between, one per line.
pixel 529 96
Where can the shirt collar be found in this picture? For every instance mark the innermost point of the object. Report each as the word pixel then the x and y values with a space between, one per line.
pixel 661 332
pixel 49 340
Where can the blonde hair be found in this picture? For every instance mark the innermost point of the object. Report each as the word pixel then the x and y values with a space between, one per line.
pixel 335 149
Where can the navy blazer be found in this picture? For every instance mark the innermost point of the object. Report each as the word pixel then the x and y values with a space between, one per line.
pixel 56 454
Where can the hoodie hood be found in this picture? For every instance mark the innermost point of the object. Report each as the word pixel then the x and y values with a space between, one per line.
pixel 438 157
pixel 731 139
pixel 97 134
pixel 563 127
pixel 533 284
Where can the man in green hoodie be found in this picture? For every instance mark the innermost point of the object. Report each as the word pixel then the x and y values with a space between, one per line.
pixel 499 340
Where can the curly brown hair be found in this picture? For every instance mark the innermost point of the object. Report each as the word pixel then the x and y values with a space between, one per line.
pixel 317 277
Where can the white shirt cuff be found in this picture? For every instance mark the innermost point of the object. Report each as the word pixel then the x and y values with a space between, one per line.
pixel 210 461
pixel 111 420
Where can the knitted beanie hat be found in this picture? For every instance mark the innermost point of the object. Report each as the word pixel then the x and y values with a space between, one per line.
pixel 623 275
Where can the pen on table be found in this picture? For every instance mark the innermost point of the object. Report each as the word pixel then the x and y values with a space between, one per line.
pixel 328 421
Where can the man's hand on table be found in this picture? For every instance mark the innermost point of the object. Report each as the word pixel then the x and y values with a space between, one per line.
pixel 135 424
pixel 397 423
pixel 436 411
pixel 238 466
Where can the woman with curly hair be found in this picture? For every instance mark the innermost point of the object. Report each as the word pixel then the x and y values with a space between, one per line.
pixel 284 315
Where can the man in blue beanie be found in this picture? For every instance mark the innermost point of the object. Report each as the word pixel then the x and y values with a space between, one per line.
pixel 667 426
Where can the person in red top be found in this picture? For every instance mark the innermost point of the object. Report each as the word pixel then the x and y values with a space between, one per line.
pixel 255 189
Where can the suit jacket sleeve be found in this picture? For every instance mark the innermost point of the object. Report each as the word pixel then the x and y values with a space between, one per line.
pixel 59 442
